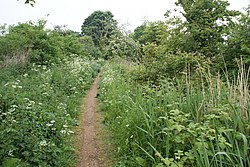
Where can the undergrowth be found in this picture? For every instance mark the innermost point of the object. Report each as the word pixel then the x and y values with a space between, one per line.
pixel 39 105
pixel 202 122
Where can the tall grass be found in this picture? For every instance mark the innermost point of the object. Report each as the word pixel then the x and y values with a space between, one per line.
pixel 181 122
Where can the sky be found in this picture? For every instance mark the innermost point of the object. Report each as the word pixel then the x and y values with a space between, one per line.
pixel 129 13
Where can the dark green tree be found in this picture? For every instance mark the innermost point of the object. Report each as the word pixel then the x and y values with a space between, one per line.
pixel 207 23
pixel 139 33
pixel 150 32
pixel 100 26
pixel 238 45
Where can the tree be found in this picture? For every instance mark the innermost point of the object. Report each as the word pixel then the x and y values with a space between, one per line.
pixel 238 44
pixel 207 22
pixel 139 33
pixel 150 32
pixel 30 42
pixel 100 26
pixel 125 47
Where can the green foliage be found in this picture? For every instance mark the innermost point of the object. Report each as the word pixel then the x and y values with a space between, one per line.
pixel 206 24
pixel 10 162
pixel 160 66
pixel 150 32
pixel 179 122
pixel 238 43
pixel 100 26
pixel 30 43
pixel 123 47
pixel 89 47
pixel 205 31
pixel 38 110
pixel 139 33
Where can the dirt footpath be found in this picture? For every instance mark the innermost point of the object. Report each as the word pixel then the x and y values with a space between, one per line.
pixel 88 147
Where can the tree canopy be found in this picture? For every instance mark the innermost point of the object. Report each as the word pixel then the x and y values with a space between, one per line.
pixel 206 24
pixel 100 26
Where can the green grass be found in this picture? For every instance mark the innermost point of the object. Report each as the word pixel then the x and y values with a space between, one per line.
pixel 175 123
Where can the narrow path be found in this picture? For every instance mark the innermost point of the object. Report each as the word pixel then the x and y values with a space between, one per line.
pixel 88 149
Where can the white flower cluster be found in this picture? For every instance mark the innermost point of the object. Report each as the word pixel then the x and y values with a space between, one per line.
pixel 108 77
pixel 66 130
pixel 43 143
pixel 14 85
pixel 30 103
pixel 51 124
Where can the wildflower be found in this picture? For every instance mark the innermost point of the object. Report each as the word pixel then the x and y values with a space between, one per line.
pixel 48 124
pixel 45 93
pixel 27 99
pixel 32 102
pixel 6 84
pixel 11 110
pixel 53 121
pixel 28 108
pixel 65 126
pixel 70 132
pixel 14 106
pixel 63 131
pixel 43 143
pixel 10 153
pixel 13 86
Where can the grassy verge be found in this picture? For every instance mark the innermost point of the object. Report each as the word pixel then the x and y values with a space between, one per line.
pixel 203 122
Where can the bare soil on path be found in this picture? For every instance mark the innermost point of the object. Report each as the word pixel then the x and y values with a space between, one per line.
pixel 88 147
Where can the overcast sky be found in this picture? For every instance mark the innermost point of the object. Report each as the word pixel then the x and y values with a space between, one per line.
pixel 73 12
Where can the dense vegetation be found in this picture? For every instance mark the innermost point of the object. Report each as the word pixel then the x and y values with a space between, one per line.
pixel 177 122
pixel 174 92
pixel 185 101
pixel 44 75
